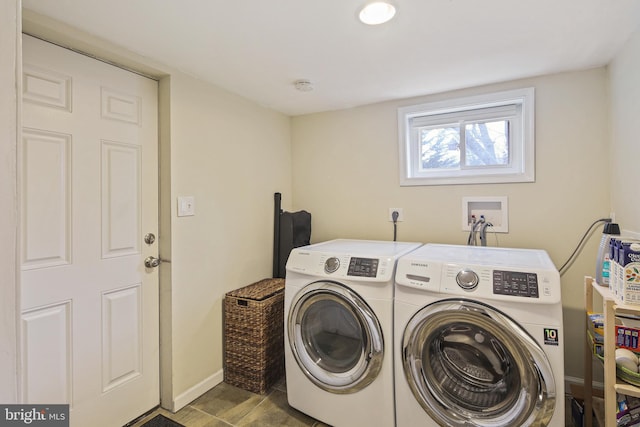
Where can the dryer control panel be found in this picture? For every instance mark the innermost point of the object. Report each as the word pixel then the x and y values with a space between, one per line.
pixel 363 267
pixel 342 266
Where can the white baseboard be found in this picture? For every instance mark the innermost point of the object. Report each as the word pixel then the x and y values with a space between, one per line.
pixel 188 396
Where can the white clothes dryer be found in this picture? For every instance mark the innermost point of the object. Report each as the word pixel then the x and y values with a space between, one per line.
pixel 478 338
pixel 338 330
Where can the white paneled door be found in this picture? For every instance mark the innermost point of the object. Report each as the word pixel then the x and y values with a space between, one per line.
pixel 89 191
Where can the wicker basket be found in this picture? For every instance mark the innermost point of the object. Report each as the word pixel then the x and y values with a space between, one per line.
pixel 254 335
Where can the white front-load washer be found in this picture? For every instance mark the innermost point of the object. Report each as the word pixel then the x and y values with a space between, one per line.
pixel 338 330
pixel 478 338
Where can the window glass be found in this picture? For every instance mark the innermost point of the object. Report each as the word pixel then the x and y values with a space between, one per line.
pixel 482 139
pixel 440 147
pixel 487 143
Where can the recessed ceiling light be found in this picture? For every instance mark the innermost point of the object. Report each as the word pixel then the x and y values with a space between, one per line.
pixel 377 13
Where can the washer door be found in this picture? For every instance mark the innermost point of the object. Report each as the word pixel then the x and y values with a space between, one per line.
pixel 469 364
pixel 335 337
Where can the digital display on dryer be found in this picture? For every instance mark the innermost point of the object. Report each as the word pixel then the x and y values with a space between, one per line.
pixel 363 267
pixel 515 283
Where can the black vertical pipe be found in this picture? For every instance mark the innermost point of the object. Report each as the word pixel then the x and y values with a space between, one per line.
pixel 277 198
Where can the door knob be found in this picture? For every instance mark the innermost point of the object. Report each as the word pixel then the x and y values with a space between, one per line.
pixel 152 262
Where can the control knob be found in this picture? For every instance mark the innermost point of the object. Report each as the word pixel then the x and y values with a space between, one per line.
pixel 467 279
pixel 331 265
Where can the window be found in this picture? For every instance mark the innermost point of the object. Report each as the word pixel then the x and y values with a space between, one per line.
pixel 482 139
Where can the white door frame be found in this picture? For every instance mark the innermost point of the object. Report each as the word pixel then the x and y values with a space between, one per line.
pixel 10 41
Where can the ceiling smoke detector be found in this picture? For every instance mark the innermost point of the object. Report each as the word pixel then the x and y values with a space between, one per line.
pixel 303 85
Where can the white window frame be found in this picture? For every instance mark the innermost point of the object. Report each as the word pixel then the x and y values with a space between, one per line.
pixel 521 166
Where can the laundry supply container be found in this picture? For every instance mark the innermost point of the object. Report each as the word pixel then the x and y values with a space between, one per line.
pixel 254 335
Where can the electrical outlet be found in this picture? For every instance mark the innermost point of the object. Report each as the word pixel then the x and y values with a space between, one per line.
pixel 400 214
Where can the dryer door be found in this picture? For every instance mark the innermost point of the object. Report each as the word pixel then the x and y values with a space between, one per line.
pixel 469 364
pixel 335 337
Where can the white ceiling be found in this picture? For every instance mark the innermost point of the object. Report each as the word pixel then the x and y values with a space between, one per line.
pixel 258 48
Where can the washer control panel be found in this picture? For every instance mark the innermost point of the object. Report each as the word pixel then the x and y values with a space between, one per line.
pixel 515 283
pixel 509 283
pixel 500 274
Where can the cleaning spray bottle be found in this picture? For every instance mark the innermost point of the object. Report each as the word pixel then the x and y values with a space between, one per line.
pixel 603 260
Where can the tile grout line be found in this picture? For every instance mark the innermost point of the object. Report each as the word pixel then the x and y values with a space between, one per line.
pixel 264 398
pixel 211 415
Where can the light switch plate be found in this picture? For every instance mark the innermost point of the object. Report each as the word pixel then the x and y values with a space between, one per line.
pixel 186 206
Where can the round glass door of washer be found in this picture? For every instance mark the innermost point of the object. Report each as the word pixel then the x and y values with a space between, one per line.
pixel 335 337
pixel 469 364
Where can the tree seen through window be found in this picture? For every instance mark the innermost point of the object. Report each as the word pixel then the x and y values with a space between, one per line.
pixel 484 144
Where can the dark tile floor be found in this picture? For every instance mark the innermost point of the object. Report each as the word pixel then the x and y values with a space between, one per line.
pixel 229 406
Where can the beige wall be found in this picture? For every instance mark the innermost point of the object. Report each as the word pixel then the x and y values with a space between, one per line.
pixel 9 46
pixel 345 172
pixel 231 155
pixel 624 76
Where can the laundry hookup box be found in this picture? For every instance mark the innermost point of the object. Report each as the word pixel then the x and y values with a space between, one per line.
pixel 254 335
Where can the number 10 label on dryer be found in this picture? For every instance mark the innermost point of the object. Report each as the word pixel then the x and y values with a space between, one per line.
pixel 550 336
